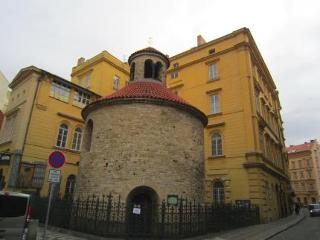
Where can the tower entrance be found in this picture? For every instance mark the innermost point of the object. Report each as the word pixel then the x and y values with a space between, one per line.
pixel 142 211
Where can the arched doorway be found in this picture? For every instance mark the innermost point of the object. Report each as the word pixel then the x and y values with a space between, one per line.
pixel 142 205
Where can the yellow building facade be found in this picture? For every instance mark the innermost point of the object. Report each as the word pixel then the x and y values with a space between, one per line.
pixel 226 78
pixel 245 154
pixel 43 115
pixel 304 170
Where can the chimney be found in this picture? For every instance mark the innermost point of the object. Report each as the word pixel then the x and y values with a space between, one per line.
pixel 81 60
pixel 200 40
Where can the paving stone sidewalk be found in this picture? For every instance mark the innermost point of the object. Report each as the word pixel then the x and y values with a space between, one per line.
pixel 257 232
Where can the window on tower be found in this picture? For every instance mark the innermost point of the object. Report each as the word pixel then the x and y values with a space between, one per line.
pixel 148 68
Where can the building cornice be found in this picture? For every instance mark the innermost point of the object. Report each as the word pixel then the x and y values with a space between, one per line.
pixel 145 100
pixel 101 57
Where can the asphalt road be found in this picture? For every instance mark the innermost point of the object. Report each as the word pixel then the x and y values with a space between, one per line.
pixel 307 229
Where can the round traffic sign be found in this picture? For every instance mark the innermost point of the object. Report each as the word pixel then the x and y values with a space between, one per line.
pixel 56 159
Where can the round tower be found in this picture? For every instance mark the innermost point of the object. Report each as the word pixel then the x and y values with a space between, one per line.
pixel 148 64
pixel 143 142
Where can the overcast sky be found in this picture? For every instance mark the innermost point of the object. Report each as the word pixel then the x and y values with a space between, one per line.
pixel 53 34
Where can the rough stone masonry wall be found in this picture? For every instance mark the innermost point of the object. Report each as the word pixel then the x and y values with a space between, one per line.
pixel 143 145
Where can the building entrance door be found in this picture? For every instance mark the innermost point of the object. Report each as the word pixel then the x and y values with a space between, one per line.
pixel 142 202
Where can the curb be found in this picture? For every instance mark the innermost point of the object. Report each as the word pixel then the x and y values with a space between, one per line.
pixel 78 234
pixel 295 222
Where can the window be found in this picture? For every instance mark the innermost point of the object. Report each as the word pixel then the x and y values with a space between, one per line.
pixel 8 128
pixel 214 103
pixel 116 82
pixel 218 192
pixel 86 146
pixel 77 136
pixel 84 80
pixel 132 71
pixel 258 102
pixel 60 91
pixel 301 175
pixel 81 99
pixel 62 136
pixel 212 71
pixel 157 72
pixel 293 164
pixel 295 175
pixel 216 144
pixel 174 75
pixel 300 165
pixel 70 186
pixel 38 175
pixel 148 68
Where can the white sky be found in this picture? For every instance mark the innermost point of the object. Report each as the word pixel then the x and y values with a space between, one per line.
pixel 53 34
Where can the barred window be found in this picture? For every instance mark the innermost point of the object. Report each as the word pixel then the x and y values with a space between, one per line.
pixel 216 144
pixel 218 192
pixel 60 91
pixel 62 136
pixel 38 175
pixel 70 186
pixel 77 136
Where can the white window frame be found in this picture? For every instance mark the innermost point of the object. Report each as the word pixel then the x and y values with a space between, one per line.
pixel 213 74
pixel 60 91
pixel 218 193
pixel 116 82
pixel 216 144
pixel 81 99
pixel 62 136
pixel 77 139
pixel 215 103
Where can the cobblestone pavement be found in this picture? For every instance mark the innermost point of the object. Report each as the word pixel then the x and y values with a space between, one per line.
pixel 53 235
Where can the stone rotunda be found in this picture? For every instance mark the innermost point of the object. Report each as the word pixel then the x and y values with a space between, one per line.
pixel 143 142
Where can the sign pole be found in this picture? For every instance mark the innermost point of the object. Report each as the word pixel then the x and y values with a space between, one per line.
pixel 48 210
pixel 56 160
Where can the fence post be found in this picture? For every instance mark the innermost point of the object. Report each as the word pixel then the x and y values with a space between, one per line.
pixel 180 230
pixel 109 206
pixel 96 214
pixel 162 226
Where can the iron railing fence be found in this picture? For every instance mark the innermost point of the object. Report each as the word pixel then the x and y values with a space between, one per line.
pixel 111 217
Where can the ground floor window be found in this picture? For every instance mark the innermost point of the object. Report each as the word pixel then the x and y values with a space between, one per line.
pixel 218 192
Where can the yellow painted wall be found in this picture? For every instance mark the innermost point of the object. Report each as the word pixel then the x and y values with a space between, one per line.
pixel 237 121
pixel 103 68
pixel 47 113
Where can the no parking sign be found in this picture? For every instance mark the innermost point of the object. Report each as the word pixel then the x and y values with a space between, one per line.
pixel 56 159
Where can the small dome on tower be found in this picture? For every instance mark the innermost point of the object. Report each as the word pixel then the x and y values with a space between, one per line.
pixel 148 64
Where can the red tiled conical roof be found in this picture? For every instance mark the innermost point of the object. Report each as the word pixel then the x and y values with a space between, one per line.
pixel 146 91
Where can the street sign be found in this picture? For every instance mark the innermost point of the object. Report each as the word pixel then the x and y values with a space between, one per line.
pixel 54 176
pixel 56 159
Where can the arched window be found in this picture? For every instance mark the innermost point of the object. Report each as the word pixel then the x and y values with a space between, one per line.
pixel 132 71
pixel 77 136
pixel 218 192
pixel 86 146
pixel 216 144
pixel 157 70
pixel 148 68
pixel 70 186
pixel 62 136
